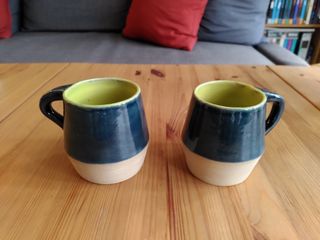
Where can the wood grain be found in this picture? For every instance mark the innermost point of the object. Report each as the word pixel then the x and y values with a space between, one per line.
pixel 20 81
pixel 41 196
pixel 305 81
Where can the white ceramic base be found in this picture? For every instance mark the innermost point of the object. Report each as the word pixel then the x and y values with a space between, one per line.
pixel 110 173
pixel 216 172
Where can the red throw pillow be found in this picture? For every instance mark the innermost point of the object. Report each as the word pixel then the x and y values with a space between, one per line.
pixel 5 19
pixel 171 23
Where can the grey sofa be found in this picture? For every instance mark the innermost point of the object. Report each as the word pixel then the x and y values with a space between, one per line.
pixel 111 47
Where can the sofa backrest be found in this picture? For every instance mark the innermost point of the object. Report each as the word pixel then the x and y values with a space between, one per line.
pixel 234 21
pixel 15 10
pixel 74 15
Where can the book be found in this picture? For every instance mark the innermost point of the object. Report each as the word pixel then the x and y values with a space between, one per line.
pixel 309 11
pixel 277 15
pixel 283 37
pixel 304 44
pixel 294 36
pixel 289 44
pixel 292 11
pixel 294 45
pixel 315 12
pixel 281 14
pixel 288 11
pixel 285 45
pixel 303 11
pixel 318 13
pixel 296 40
pixel 269 13
pixel 274 12
pixel 296 10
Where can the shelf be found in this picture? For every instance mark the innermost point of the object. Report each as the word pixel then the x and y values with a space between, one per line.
pixel 293 25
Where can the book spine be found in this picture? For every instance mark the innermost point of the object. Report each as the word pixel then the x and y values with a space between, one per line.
pixel 309 54
pixel 278 11
pixel 318 12
pixel 274 11
pixel 296 10
pixel 281 14
pixel 288 10
pixel 269 14
pixel 294 45
pixel 299 12
pixel 309 11
pixel 303 11
pixel 304 45
pixel 314 12
pixel 285 43
pixel 289 44
pixel 292 11
pixel 282 39
pixel 294 36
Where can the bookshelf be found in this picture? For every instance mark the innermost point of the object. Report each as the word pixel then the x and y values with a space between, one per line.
pixel 295 25
pixel 315 39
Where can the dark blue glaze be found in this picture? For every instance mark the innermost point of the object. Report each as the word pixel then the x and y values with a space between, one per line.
pixel 224 135
pixel 99 135
pixel 276 111
pixel 105 135
pixel 229 135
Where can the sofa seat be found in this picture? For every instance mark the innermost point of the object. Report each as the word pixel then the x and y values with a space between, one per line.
pixel 113 48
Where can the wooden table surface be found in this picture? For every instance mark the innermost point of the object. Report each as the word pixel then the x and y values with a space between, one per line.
pixel 42 197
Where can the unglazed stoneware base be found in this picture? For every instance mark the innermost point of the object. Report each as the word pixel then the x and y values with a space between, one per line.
pixel 110 173
pixel 216 172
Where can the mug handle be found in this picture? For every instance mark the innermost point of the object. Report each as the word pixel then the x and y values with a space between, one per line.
pixel 276 110
pixel 46 101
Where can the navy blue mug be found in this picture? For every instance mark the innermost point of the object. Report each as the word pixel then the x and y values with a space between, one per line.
pixel 105 130
pixel 224 133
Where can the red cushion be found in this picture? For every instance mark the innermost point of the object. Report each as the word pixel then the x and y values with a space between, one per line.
pixel 171 23
pixel 5 19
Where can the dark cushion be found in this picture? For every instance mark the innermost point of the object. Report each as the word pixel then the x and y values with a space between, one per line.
pixel 234 21
pixel 15 14
pixel 74 15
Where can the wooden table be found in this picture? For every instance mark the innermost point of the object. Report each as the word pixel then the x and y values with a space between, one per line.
pixel 42 197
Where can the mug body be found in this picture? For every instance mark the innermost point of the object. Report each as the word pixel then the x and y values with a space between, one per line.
pixel 105 129
pixel 223 136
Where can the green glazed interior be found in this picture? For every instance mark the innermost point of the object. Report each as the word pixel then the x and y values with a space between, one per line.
pixel 101 92
pixel 229 94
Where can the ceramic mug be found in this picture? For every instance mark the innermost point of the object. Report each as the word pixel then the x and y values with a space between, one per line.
pixel 223 135
pixel 104 125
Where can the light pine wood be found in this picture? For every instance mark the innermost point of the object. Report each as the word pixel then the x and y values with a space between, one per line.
pixel 20 81
pixel 42 197
pixel 304 80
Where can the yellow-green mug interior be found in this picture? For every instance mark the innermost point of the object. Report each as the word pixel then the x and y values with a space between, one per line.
pixel 101 92
pixel 229 94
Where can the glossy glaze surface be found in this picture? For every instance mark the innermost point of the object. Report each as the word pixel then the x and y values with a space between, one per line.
pixel 105 135
pixel 224 135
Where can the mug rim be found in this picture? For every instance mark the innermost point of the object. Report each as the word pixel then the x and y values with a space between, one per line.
pixel 252 107
pixel 115 104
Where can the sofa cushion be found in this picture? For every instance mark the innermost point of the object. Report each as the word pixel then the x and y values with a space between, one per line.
pixel 74 15
pixel 112 48
pixel 280 55
pixel 171 23
pixel 15 9
pixel 5 19
pixel 234 21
